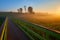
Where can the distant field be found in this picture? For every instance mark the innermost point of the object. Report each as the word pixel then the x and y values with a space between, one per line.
pixel 47 20
pixel 50 21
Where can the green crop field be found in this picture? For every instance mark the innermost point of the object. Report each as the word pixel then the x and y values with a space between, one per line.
pixel 33 31
pixel 1 20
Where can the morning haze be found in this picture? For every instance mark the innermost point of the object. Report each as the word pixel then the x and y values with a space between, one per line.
pixel 30 17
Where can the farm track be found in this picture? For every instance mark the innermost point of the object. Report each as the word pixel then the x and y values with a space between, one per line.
pixel 12 32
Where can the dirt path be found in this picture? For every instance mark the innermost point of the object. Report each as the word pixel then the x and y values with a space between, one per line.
pixel 14 33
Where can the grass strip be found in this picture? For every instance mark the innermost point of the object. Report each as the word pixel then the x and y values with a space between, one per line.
pixel 31 32
pixel 3 36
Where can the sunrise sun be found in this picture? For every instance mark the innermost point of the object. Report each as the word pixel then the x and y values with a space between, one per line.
pixel 58 11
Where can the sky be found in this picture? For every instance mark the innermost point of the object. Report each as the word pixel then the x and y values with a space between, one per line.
pixel 50 6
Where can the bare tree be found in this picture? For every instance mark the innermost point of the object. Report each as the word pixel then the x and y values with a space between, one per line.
pixel 20 10
pixel 25 8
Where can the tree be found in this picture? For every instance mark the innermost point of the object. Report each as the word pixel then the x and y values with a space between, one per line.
pixel 30 10
pixel 20 10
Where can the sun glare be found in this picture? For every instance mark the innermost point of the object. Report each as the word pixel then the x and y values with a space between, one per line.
pixel 58 11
